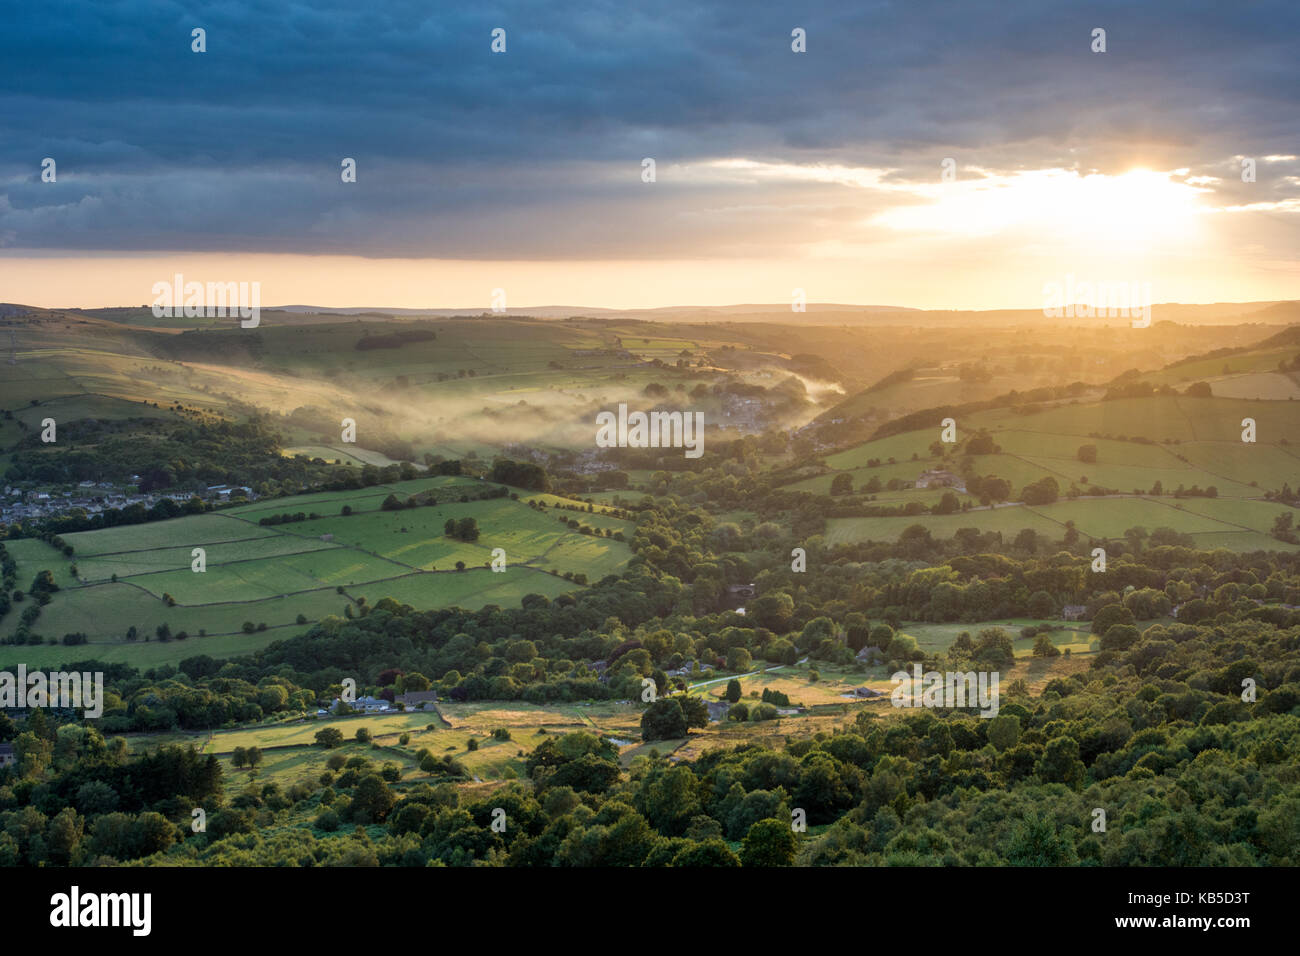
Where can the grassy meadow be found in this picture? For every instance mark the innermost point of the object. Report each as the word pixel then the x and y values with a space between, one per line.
pixel 267 582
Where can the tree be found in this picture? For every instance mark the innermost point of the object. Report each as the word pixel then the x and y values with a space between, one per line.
pixel 1036 842
pixel 151 833
pixel 96 797
pixel 948 504
pixel 1043 647
pixel 363 735
pixel 1136 535
pixel 1041 604
pixel 670 800
pixel 43 583
pixel 1120 637
pixel 1110 615
pixel 993 647
pixel 63 836
pixel 816 631
pixel 694 710
pixel 1087 454
pixel 733 690
pixel 901 646
pixel 842 484
pixel 663 720
pixel 772 611
pixel 329 737
pixel 993 488
pixel 711 852
pixel 1026 541
pixel 371 800
pixel 769 843
pixel 239 758
pixel 1004 731
pixel 1060 762
pixel 254 756
pixel 1045 491
pixel 739 659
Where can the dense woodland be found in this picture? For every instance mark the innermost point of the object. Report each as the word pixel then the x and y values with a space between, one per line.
pixel 1154 731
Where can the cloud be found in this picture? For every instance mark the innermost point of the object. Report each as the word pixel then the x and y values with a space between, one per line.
pixel 536 153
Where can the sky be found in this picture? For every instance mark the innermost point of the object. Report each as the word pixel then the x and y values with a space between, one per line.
pixel 957 155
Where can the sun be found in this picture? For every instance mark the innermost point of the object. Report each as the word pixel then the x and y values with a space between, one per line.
pixel 1139 206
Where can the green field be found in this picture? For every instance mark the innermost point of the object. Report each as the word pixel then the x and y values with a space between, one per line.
pixel 266 577
pixel 100 568
pixel 290 753
pixel 1185 442
pixel 1266 385
pixel 1207 432
pixel 1212 522
pixel 937 638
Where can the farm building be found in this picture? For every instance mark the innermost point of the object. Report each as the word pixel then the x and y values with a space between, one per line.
pixel 871 656
pixel 739 595
pixel 417 698
pixel 936 478
pixel 1073 612
pixel 366 705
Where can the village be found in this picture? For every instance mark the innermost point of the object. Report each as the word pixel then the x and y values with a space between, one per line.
pixel 20 504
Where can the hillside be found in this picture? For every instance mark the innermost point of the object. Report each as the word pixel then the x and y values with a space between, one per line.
pixel 266 582
pixel 1148 455
pixel 947 368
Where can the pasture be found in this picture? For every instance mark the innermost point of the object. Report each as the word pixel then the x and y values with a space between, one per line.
pixel 1183 442
pixel 262 583
pixel 290 753
pixel 1212 522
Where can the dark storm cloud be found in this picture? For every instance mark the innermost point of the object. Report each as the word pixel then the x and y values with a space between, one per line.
pixel 536 153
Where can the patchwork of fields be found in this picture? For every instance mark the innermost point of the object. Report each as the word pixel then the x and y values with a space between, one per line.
pixel 1173 441
pixel 1211 522
pixel 822 690
pixel 264 581
pixel 290 755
